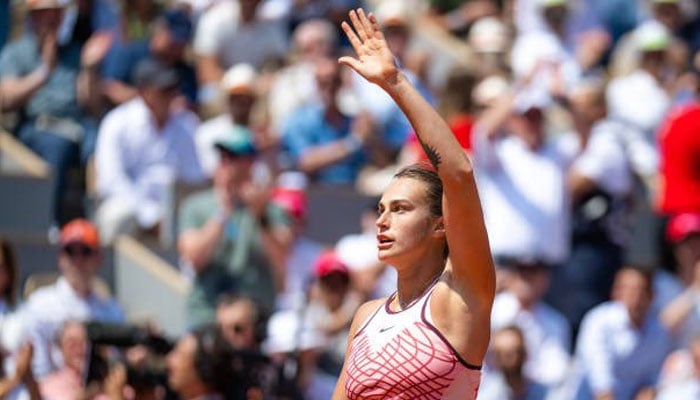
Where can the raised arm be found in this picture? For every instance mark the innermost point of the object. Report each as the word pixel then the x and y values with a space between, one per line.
pixel 470 257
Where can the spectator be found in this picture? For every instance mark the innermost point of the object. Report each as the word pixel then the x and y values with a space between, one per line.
pixel 621 345
pixel 9 275
pixel 232 237
pixel 5 18
pixel 67 383
pixel 230 34
pixel 545 331
pixel 682 314
pixel 55 90
pixel 507 381
pixel 71 298
pixel 144 147
pixel 321 140
pixel 489 39
pixel 680 375
pixel 137 18
pixel 242 322
pixel 239 84
pixel 167 44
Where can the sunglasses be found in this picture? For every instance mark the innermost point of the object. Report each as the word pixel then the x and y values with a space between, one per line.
pixel 74 250
pixel 237 328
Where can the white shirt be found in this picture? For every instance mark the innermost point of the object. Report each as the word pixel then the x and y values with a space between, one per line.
pixel 524 198
pixel 623 97
pixel 136 161
pixel 47 309
pixel 616 356
pixel 359 252
pixel 294 86
pixel 298 273
pixel 546 333
pixel 220 33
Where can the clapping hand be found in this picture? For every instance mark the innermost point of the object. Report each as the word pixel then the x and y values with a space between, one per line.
pixel 374 61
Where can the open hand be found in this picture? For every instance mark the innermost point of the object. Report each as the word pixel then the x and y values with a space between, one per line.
pixel 374 61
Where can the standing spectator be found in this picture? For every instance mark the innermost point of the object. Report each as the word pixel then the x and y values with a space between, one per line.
pixel 321 140
pixel 545 331
pixel 167 43
pixel 232 237
pixel 229 34
pixel 144 147
pixel 70 298
pixel 507 381
pixel 54 88
pixel 621 344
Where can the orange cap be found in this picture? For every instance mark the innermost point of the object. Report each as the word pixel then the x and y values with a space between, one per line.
pixel 80 231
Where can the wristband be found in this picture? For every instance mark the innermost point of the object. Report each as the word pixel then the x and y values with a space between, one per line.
pixel 352 143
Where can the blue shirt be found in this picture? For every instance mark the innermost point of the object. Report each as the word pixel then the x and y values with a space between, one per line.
pixel 306 129
pixel 122 60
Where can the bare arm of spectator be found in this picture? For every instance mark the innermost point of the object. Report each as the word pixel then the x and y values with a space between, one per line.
pixel 209 72
pixel 88 82
pixel 677 311
pixel 118 92
pixel 318 157
pixel 22 374
pixel 17 90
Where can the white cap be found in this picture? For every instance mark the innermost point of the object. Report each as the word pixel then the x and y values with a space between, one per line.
pixel 488 35
pixel 292 180
pixel 239 79
pixel 393 12
pixel 652 36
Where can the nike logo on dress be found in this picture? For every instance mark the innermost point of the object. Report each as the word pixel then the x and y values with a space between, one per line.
pixel 382 330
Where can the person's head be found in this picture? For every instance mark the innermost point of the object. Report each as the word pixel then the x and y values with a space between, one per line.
pixel 555 13
pixel 528 122
pixel 410 221
pixel 236 157
pixel 172 32
pixel 328 81
pixel 457 95
pixel 45 16
pixel 488 92
pixel 652 40
pixel 508 350
pixel 633 287
pixel 528 279
pixel 315 39
pixel 241 321
pixel 201 363
pixel 239 85
pixel 668 12
pixel 73 343
pixel 683 233
pixel 157 84
pixel 489 39
pixel 248 10
pixel 395 19
pixel 587 102
pixel 333 279
pixel 8 272
pixel 79 257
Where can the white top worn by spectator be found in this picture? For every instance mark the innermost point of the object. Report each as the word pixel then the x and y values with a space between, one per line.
pixel 615 356
pixel 525 217
pixel 358 252
pixel 136 162
pixel 298 273
pixel 546 333
pixel 220 33
pixel 623 98
pixel 47 309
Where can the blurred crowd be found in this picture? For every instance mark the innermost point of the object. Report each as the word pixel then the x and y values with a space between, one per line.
pixel 581 118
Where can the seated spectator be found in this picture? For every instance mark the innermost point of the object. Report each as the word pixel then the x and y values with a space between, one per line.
pixel 238 84
pixel 231 236
pixel 144 147
pixel 167 43
pixel 681 314
pixel 322 141
pixel 70 298
pixel 545 331
pixel 230 34
pixel 54 88
pixel 242 322
pixel 621 345
pixel 67 383
pixel 680 375
pixel 507 380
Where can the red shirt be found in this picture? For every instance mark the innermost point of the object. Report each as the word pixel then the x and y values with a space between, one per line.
pixel 461 126
pixel 679 147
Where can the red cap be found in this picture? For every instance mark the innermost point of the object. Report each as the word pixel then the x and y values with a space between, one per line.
pixel 328 263
pixel 682 225
pixel 80 231
pixel 292 201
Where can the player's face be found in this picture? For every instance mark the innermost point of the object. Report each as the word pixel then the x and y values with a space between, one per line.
pixel 404 224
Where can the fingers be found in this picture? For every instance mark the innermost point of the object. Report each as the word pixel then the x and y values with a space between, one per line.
pixel 352 37
pixel 358 25
pixel 350 62
pixel 368 28
pixel 376 31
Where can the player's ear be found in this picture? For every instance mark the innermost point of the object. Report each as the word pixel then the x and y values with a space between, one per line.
pixel 440 226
